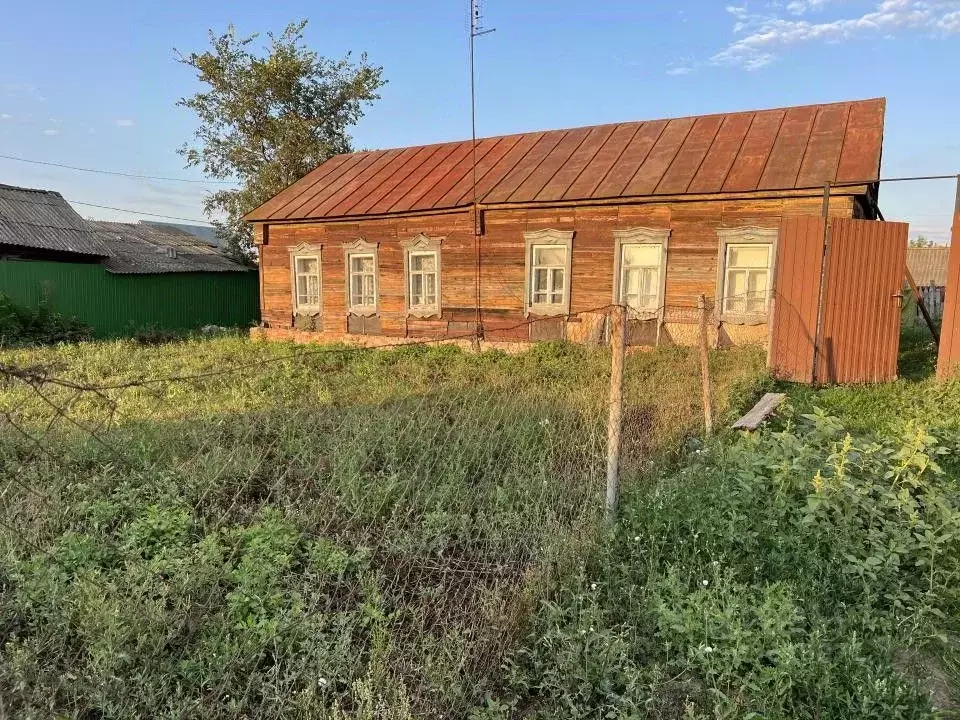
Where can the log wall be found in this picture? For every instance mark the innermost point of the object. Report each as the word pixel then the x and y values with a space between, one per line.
pixel 692 267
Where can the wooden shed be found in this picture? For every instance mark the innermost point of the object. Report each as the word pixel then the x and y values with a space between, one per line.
pixel 552 226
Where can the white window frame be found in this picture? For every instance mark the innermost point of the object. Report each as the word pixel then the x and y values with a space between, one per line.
pixel 304 251
pixel 422 245
pixel 640 236
pixel 733 237
pixel 362 248
pixel 538 239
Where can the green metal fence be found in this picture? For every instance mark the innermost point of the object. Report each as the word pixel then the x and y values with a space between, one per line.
pixel 115 305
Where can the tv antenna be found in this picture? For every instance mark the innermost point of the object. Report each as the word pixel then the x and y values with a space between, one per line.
pixel 476 30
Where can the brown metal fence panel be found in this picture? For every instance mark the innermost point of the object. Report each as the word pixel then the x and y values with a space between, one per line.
pixel 860 333
pixel 796 291
pixel 949 357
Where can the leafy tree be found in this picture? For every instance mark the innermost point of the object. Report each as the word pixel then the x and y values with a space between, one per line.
pixel 921 242
pixel 267 120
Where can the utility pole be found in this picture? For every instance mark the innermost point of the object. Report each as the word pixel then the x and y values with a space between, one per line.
pixel 476 30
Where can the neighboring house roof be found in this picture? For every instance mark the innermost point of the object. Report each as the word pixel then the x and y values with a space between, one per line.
pixel 42 219
pixel 928 265
pixel 787 148
pixel 205 232
pixel 141 248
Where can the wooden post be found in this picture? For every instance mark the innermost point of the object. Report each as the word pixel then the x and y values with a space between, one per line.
pixel 705 367
pixel 821 294
pixel 922 306
pixel 618 346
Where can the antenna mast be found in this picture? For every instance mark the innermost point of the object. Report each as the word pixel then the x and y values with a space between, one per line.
pixel 476 30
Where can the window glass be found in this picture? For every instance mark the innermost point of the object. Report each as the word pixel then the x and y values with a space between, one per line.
pixel 307 282
pixel 423 280
pixel 747 278
pixel 640 276
pixel 363 281
pixel 549 275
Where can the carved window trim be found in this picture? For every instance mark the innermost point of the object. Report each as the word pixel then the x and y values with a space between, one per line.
pixel 362 247
pixel 750 235
pixel 641 236
pixel 539 238
pixel 422 243
pixel 306 251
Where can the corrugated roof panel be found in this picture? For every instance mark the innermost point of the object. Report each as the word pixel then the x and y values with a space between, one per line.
pixel 551 164
pixel 486 182
pixel 719 159
pixel 354 191
pixel 580 159
pixel 625 166
pixel 387 172
pixel 783 164
pixel 590 179
pixel 415 179
pixel 769 150
pixel 752 158
pixel 929 265
pixel 823 149
pixel 650 173
pixel 43 220
pixel 862 142
pixel 692 153
pixel 140 249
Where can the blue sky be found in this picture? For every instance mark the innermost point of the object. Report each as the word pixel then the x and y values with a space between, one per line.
pixel 94 83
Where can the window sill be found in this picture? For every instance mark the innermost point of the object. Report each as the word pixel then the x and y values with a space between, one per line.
pixel 548 310
pixel 306 312
pixel 424 312
pixel 362 312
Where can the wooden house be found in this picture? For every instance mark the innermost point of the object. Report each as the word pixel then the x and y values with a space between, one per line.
pixel 554 226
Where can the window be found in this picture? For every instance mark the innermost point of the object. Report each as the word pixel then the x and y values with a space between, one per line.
pixel 549 269
pixel 747 270
pixel 422 262
pixel 548 276
pixel 305 268
pixel 640 269
pixel 361 274
pixel 363 281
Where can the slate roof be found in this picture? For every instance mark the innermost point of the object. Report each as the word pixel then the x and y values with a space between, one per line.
pixel 928 265
pixel 786 148
pixel 42 219
pixel 142 248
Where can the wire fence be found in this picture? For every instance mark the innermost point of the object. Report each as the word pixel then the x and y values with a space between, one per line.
pixel 223 528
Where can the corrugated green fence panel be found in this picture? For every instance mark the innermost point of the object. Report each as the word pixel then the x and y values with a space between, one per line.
pixel 123 304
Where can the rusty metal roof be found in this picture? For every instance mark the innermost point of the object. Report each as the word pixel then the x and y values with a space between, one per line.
pixel 928 265
pixel 786 148
pixel 143 248
pixel 42 219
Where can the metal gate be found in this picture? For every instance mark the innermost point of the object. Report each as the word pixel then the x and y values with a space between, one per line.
pixel 948 362
pixel 837 300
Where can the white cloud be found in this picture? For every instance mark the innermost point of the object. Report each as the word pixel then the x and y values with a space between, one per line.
pixel 6 116
pixel 766 35
pixel 124 122
pixel 680 70
pixel 51 132
pixel 26 91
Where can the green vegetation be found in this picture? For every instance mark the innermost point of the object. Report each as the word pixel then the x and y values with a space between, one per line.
pixel 337 533
pixel 26 326
pixel 303 532
pixel 811 570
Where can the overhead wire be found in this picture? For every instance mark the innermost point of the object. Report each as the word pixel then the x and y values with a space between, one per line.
pixel 116 173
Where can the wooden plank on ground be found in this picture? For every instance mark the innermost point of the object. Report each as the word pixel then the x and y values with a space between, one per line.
pixel 768 403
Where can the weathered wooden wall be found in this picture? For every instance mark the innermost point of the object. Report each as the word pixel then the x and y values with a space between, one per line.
pixel 692 260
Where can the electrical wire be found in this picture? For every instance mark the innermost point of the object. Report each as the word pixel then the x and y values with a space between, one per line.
pixel 116 173
pixel 139 212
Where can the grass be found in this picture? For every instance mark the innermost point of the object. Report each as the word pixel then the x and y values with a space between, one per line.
pixel 294 532
pixel 810 570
